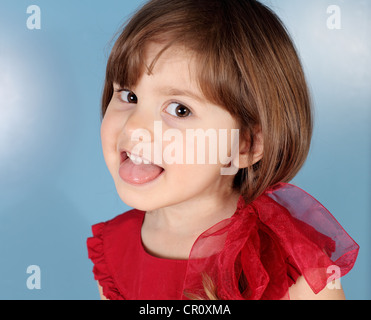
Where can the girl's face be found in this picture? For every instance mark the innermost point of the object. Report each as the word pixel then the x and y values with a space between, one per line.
pixel 154 120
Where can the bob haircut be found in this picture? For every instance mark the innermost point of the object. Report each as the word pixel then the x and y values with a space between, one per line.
pixel 247 64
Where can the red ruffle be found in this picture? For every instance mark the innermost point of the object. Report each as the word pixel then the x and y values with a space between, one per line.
pixel 265 246
pixel 101 269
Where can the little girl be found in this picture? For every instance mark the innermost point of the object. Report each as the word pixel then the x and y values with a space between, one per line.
pixel 211 68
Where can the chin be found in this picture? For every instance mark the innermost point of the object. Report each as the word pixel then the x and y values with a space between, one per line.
pixel 140 202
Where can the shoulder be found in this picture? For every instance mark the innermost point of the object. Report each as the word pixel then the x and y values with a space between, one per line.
pixel 302 291
pixel 106 249
pixel 107 236
pixel 305 241
pixel 125 221
pixel 131 216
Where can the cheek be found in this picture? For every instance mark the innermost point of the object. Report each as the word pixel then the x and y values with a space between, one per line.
pixel 214 148
pixel 109 136
pixel 191 178
pixel 105 133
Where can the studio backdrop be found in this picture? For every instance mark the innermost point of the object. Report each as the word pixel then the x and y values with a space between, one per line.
pixel 53 180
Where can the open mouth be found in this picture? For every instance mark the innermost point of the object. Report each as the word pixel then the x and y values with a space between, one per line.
pixel 136 170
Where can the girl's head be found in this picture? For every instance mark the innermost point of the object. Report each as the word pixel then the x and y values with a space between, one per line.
pixel 239 58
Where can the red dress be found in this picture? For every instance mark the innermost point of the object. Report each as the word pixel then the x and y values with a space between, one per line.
pixel 258 253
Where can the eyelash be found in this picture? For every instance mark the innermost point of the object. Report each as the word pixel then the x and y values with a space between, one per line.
pixel 119 91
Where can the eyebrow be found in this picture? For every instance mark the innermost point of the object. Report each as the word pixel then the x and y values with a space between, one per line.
pixel 171 91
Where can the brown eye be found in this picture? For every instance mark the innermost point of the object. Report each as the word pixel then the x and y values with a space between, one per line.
pixel 128 96
pixel 178 110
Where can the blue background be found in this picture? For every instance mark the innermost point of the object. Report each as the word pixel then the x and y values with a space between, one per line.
pixel 53 181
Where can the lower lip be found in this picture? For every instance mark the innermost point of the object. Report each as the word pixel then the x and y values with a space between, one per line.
pixel 139 175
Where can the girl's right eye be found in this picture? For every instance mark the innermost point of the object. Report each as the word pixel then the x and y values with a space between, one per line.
pixel 128 96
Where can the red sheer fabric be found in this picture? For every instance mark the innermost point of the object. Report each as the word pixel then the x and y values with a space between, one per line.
pixel 258 253
pixel 262 249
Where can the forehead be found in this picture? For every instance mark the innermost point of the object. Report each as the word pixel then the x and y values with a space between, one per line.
pixel 174 65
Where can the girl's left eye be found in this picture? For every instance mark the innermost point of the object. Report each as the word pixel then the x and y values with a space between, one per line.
pixel 178 110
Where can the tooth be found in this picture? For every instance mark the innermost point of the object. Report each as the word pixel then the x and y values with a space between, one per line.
pixel 138 160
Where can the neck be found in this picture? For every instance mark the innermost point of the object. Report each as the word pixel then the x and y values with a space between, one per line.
pixel 195 215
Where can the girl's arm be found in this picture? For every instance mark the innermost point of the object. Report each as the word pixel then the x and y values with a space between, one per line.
pixel 301 291
pixel 102 297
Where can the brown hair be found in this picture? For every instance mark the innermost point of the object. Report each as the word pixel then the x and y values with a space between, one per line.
pixel 247 64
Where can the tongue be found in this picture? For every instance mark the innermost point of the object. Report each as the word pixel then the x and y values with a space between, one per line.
pixel 138 173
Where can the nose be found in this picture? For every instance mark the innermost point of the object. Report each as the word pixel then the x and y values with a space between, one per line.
pixel 138 127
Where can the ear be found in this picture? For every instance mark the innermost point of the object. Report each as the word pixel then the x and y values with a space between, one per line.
pixel 246 158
